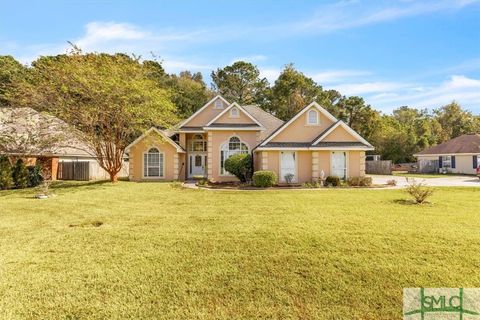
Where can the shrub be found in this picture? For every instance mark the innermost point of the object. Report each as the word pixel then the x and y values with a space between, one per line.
pixel 314 184
pixel 332 181
pixel 418 190
pixel 359 181
pixel 264 179
pixel 202 182
pixel 6 180
pixel 175 184
pixel 20 175
pixel 34 176
pixel 240 165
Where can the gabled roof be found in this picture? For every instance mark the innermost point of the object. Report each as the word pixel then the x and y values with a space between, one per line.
pixel 202 108
pixel 467 143
pixel 234 105
pixel 340 123
pixel 165 136
pixel 286 124
pixel 268 120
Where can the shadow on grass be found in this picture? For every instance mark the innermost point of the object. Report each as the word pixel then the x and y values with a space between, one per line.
pixel 408 202
pixel 58 186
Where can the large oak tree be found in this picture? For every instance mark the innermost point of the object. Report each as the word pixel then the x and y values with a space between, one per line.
pixel 108 99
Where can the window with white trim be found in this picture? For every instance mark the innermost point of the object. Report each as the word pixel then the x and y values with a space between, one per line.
pixel 218 104
pixel 312 118
pixel 197 143
pixel 447 161
pixel 234 113
pixel 153 163
pixel 230 148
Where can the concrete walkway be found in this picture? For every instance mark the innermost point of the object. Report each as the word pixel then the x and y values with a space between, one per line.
pixel 447 181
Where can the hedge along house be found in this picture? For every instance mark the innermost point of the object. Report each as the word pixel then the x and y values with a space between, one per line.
pixel 311 142
pixel 458 155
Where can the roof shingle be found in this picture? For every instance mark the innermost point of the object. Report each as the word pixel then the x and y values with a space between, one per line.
pixel 467 143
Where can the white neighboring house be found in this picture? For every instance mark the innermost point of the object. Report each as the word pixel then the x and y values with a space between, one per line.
pixel 41 138
pixel 458 155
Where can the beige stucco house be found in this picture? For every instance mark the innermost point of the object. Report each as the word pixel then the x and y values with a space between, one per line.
pixel 311 142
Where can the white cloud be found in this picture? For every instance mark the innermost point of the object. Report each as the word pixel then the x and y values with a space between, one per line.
pixel 352 89
pixel 335 76
pixel 463 89
pixel 252 58
pixel 173 65
pixel 352 14
pixel 270 73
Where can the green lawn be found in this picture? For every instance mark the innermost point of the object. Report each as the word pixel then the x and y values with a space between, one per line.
pixel 149 251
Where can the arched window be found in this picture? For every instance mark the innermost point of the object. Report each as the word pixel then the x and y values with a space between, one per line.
pixel 312 117
pixel 218 104
pixel 153 164
pixel 197 143
pixel 234 113
pixel 233 146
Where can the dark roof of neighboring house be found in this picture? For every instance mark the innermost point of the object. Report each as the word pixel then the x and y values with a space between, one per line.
pixel 233 125
pixel 46 134
pixel 468 143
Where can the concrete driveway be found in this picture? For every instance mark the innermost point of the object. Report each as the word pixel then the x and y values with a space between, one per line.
pixel 447 181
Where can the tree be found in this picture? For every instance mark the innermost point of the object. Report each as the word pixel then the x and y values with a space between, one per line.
pixel 241 83
pixel 10 71
pixel 455 121
pixel 189 92
pixel 291 92
pixel 20 175
pixel 109 99
pixel 6 180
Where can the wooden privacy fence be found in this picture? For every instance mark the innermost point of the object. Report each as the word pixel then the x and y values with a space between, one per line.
pixel 428 166
pixel 74 170
pixel 378 167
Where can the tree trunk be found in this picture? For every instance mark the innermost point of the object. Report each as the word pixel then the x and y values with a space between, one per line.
pixel 113 177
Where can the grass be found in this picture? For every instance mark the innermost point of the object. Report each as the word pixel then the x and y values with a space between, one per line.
pixel 150 251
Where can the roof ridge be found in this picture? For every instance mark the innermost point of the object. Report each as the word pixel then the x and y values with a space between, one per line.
pixel 263 111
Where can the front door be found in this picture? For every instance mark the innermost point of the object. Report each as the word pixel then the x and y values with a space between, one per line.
pixel 339 164
pixel 196 165
pixel 288 167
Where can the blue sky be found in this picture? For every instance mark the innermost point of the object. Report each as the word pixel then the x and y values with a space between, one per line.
pixel 392 53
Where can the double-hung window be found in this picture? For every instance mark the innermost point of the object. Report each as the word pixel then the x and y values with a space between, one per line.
pixel 447 161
